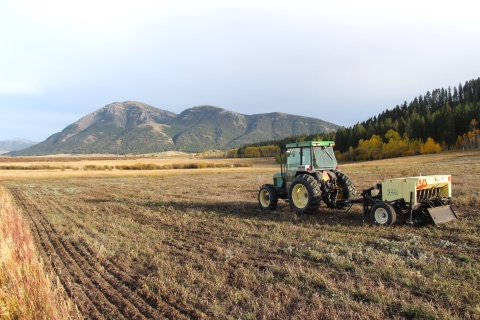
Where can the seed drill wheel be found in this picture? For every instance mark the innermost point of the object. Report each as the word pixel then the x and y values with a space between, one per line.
pixel 267 197
pixel 383 214
pixel 304 194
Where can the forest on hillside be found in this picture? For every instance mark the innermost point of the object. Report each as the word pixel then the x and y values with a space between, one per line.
pixel 438 120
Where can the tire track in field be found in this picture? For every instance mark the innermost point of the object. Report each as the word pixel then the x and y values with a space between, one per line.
pixel 203 240
pixel 142 297
pixel 101 299
pixel 147 303
pixel 150 304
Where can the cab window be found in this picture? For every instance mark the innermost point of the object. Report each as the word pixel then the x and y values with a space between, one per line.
pixel 306 156
pixel 293 160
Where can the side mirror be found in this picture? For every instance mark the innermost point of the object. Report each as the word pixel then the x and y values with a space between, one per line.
pixel 287 153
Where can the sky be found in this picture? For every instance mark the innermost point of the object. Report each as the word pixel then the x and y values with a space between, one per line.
pixel 339 61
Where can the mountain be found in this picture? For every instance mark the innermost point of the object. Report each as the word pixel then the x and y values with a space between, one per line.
pixel 205 127
pixel 135 127
pixel 15 144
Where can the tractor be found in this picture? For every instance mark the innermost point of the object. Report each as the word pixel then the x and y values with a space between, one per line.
pixel 310 175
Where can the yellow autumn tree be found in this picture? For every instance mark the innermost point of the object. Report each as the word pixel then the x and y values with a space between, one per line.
pixel 369 149
pixel 389 149
pixel 430 146
pixel 232 153
pixel 251 152
pixel 468 140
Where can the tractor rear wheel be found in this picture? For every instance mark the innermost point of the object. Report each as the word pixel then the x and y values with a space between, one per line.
pixel 304 194
pixel 346 189
pixel 268 197
pixel 383 214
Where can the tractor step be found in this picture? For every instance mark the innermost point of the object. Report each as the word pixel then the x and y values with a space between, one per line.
pixel 442 214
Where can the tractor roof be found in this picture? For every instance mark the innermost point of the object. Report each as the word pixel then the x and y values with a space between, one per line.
pixel 311 144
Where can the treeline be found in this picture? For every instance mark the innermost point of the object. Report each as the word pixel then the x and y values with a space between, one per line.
pixel 254 152
pixel 439 120
pixel 443 115
pixel 375 148
pixel 271 148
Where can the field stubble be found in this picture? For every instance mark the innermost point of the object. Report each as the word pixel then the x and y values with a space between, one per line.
pixel 193 246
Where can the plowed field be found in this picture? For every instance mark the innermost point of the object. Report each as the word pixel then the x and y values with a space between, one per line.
pixel 196 246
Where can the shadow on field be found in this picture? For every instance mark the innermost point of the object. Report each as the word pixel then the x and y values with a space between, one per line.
pixel 283 213
pixel 97 201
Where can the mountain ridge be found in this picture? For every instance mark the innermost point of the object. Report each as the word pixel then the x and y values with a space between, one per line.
pixel 136 127
pixel 15 144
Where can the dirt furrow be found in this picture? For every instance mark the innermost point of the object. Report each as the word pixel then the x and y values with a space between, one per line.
pixel 119 280
pixel 166 307
pixel 109 291
pixel 56 263
pixel 140 297
pixel 147 302
pixel 77 279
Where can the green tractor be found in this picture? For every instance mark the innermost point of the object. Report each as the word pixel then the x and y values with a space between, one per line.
pixel 309 176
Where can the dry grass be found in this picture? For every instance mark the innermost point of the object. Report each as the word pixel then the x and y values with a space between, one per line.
pixel 26 290
pixel 50 167
pixel 136 166
pixel 100 161
pixel 194 243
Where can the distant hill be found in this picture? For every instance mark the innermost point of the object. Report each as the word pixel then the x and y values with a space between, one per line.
pixel 135 127
pixel 15 144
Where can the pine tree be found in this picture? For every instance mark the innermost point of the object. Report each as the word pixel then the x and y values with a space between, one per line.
pixel 417 126
pixel 460 93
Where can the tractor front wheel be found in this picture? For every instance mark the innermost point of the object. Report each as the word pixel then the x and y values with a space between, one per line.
pixel 304 194
pixel 383 214
pixel 267 197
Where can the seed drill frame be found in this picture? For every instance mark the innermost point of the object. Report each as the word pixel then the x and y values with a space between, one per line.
pixel 418 200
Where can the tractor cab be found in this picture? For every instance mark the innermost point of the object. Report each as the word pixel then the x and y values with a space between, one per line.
pixel 306 157
pixel 311 156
